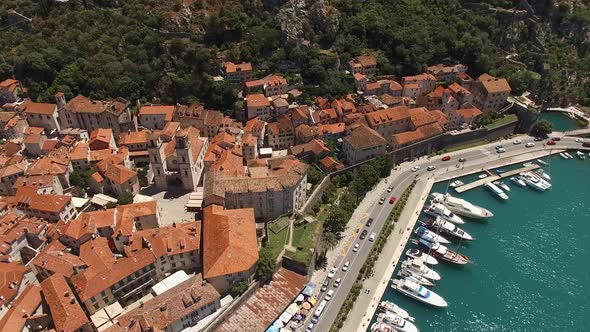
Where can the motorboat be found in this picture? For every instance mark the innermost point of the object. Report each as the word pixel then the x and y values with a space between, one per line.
pixel 568 155
pixel 563 155
pixel 446 227
pixel 418 292
pixel 500 171
pixel 440 251
pixel 483 176
pixel 542 174
pixel 421 255
pixel 542 162
pixel 428 235
pixel 438 209
pixel 415 277
pixel 535 181
pixel 420 268
pixel 456 183
pixel 462 207
pixel 527 164
pixel 518 181
pixel 382 326
pixel 392 307
pixel 496 190
pixel 502 185
pixel 580 155
pixel 396 322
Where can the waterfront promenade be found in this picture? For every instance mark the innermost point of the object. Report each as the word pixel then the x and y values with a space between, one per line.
pixel 362 312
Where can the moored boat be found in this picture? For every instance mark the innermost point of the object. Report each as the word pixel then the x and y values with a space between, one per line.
pixel 535 181
pixel 440 210
pixel 419 268
pixel 500 171
pixel 483 176
pixel 446 227
pixel 428 235
pixel 580 155
pixel 418 292
pixel 563 155
pixel 462 207
pixel 496 190
pixel 568 155
pixel 440 251
pixel 502 185
pixel 528 163
pixel 540 172
pixel 456 183
pixel 415 277
pixel 396 322
pixel 421 255
pixel 390 306
pixel 518 181
pixel 541 161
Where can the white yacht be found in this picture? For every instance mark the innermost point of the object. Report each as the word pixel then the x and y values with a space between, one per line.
pixel 581 155
pixel 382 326
pixel 438 209
pixel 448 228
pixel 483 176
pixel 421 255
pixel 462 207
pixel 421 269
pixel 568 155
pixel 496 190
pixel 518 181
pixel 415 277
pixel 535 181
pixel 390 306
pixel 397 322
pixel 502 185
pixel 456 183
pixel 428 235
pixel 418 292
pixel 542 174
pixel 563 155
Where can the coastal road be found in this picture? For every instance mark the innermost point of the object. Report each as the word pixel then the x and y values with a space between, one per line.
pixel 476 158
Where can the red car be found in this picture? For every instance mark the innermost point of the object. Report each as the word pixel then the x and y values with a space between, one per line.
pixel 551 143
pixel 446 158
pixel 392 200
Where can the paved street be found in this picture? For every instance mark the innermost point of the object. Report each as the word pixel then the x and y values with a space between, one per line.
pixel 402 176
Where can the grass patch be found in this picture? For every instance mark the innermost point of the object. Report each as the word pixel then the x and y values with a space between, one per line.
pixel 279 224
pixel 508 118
pixel 304 240
pixel 276 241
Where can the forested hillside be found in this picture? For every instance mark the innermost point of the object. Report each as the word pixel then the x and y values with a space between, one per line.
pixel 169 50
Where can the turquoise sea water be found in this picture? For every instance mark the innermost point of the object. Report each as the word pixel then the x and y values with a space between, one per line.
pixel 531 269
pixel 560 121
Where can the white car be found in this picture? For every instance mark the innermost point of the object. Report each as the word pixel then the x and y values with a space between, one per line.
pixel 530 145
pixel 372 237
pixel 382 200
pixel 431 168
pixel 500 150
pixel 415 168
pixel 516 141
pixel 345 266
pixel 332 272
pixel 356 247
pixel 389 189
pixel 336 283
pixel 329 295
pixel 580 140
pixel 309 327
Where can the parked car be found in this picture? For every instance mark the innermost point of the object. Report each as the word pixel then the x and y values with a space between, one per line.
pixel 580 140
pixel 332 272
pixel 551 142
pixel 556 138
pixel 517 141
pixel 431 168
pixel 356 247
pixel 369 222
pixel 415 168
pixel 329 295
pixel 446 158
pixel 345 266
pixel 462 160
pixel 538 139
pixel 336 283
pixel 392 200
pixel 363 234
pixel 389 189
pixel 309 327
pixel 382 200
pixel 325 285
pixel 499 146
pixel 372 237
pixel 530 145
pixel 501 150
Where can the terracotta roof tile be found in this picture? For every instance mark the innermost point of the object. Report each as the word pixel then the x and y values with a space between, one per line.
pixel 40 108
pixel 66 312
pixel 257 100
pixel 167 111
pixel 23 308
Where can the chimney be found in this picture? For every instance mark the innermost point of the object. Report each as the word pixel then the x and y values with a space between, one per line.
pixel 72 300
pixel 66 293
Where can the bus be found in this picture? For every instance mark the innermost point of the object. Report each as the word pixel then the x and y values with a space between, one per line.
pixel 318 311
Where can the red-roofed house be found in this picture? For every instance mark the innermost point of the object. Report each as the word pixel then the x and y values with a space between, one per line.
pixel 257 105
pixel 465 116
pixel 276 85
pixel 230 247
pixel 238 72
pixel 425 82
pixel 155 117
pixel 490 93
pixel 364 64
pixel 281 134
pixel 12 87
pixel 101 139
pixel 66 312
pixel 41 115
pixel 362 144
pixel 49 207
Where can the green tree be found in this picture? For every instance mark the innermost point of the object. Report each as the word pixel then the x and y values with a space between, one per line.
pixel 542 128
pixel 125 198
pixel 266 264
pixel 239 289
pixel 79 177
pixel 314 175
pixel 336 220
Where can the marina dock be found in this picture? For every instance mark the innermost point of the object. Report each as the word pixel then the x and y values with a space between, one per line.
pixel 494 177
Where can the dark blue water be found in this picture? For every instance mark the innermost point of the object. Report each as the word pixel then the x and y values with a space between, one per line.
pixel 532 260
